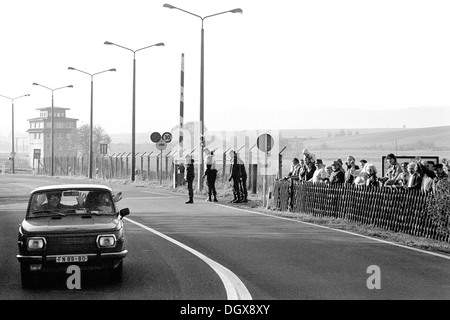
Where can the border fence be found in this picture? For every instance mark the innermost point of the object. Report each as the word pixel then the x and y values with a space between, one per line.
pixel 395 209
pixel 149 167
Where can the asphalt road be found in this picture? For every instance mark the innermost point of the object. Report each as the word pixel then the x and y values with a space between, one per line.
pixel 214 251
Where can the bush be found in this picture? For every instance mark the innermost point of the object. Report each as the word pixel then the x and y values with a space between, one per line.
pixel 438 207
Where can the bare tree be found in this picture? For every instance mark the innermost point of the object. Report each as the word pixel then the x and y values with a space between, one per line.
pixel 80 138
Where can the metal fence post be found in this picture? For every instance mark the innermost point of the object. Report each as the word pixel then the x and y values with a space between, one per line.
pixel 148 166
pixel 280 163
pixel 224 164
pixel 167 164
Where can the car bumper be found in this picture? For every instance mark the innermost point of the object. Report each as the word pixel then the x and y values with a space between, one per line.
pixel 93 258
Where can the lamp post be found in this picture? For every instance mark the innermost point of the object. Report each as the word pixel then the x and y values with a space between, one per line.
pixel 92 116
pixel 13 153
pixel 202 77
pixel 133 121
pixel 52 139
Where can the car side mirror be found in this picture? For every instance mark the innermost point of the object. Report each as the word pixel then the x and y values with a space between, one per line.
pixel 124 212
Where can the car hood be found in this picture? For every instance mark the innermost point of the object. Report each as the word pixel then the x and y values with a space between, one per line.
pixel 71 223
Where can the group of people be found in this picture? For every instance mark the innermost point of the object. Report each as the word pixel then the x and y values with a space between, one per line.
pixel 238 176
pixel 416 174
pixel 210 174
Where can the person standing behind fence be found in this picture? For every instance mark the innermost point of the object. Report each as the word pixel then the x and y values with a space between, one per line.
pixel 362 163
pixel 352 170
pixel 211 175
pixel 235 176
pixel 361 178
pixel 189 175
pixel 329 170
pixel 392 172
pixel 403 177
pixel 320 174
pixel 337 176
pixel 415 180
pixel 372 179
pixel 310 169
pixel 294 174
pixel 302 170
pixel 425 169
pixel 308 156
pixel 439 171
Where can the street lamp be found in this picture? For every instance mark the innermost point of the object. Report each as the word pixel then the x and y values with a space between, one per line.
pixel 133 121
pixel 92 116
pixel 13 153
pixel 52 124
pixel 202 77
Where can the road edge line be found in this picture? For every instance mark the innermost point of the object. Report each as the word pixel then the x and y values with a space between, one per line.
pixel 234 287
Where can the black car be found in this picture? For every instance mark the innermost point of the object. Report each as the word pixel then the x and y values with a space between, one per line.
pixel 77 224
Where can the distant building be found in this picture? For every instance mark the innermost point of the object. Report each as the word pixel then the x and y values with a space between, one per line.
pixel 40 133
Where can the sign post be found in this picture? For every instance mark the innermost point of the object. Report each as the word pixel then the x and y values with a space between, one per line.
pixel 161 145
pixel 265 143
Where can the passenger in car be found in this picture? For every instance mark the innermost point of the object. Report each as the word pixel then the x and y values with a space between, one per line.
pixel 98 201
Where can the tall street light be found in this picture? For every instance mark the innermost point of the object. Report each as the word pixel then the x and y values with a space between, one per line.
pixel 52 139
pixel 13 153
pixel 92 116
pixel 202 77
pixel 133 121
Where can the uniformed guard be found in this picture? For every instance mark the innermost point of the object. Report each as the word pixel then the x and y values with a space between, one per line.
pixel 235 176
pixel 189 176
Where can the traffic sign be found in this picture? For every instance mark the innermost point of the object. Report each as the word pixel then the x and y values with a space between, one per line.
pixel 161 145
pixel 13 154
pixel 167 137
pixel 155 137
pixel 265 142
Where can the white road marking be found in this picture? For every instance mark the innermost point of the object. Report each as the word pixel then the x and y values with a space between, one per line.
pixel 158 193
pixel 343 231
pixel 234 287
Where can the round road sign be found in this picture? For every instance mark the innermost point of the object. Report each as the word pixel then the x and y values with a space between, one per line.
pixel 265 142
pixel 155 137
pixel 167 137
pixel 161 145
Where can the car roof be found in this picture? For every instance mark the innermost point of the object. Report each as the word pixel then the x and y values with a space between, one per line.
pixel 71 187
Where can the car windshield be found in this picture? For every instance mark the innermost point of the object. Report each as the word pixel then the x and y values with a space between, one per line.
pixel 73 201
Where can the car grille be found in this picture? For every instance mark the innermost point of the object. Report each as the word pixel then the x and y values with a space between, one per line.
pixel 71 244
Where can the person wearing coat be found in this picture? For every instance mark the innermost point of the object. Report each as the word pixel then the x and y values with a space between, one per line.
pixel 211 175
pixel 235 176
pixel 189 175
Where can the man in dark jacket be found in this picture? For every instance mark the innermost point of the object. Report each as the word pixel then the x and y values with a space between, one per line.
pixel 211 175
pixel 235 176
pixel 415 180
pixel 242 180
pixel 189 176
pixel 337 176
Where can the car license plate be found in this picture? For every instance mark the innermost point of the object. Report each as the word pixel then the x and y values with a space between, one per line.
pixel 71 258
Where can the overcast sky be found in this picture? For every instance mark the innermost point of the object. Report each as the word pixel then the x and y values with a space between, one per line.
pixel 270 66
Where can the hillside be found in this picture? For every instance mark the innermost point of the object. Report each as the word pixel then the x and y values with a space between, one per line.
pixel 434 138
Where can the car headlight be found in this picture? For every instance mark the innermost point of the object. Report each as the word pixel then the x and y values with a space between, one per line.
pixel 106 241
pixel 35 243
